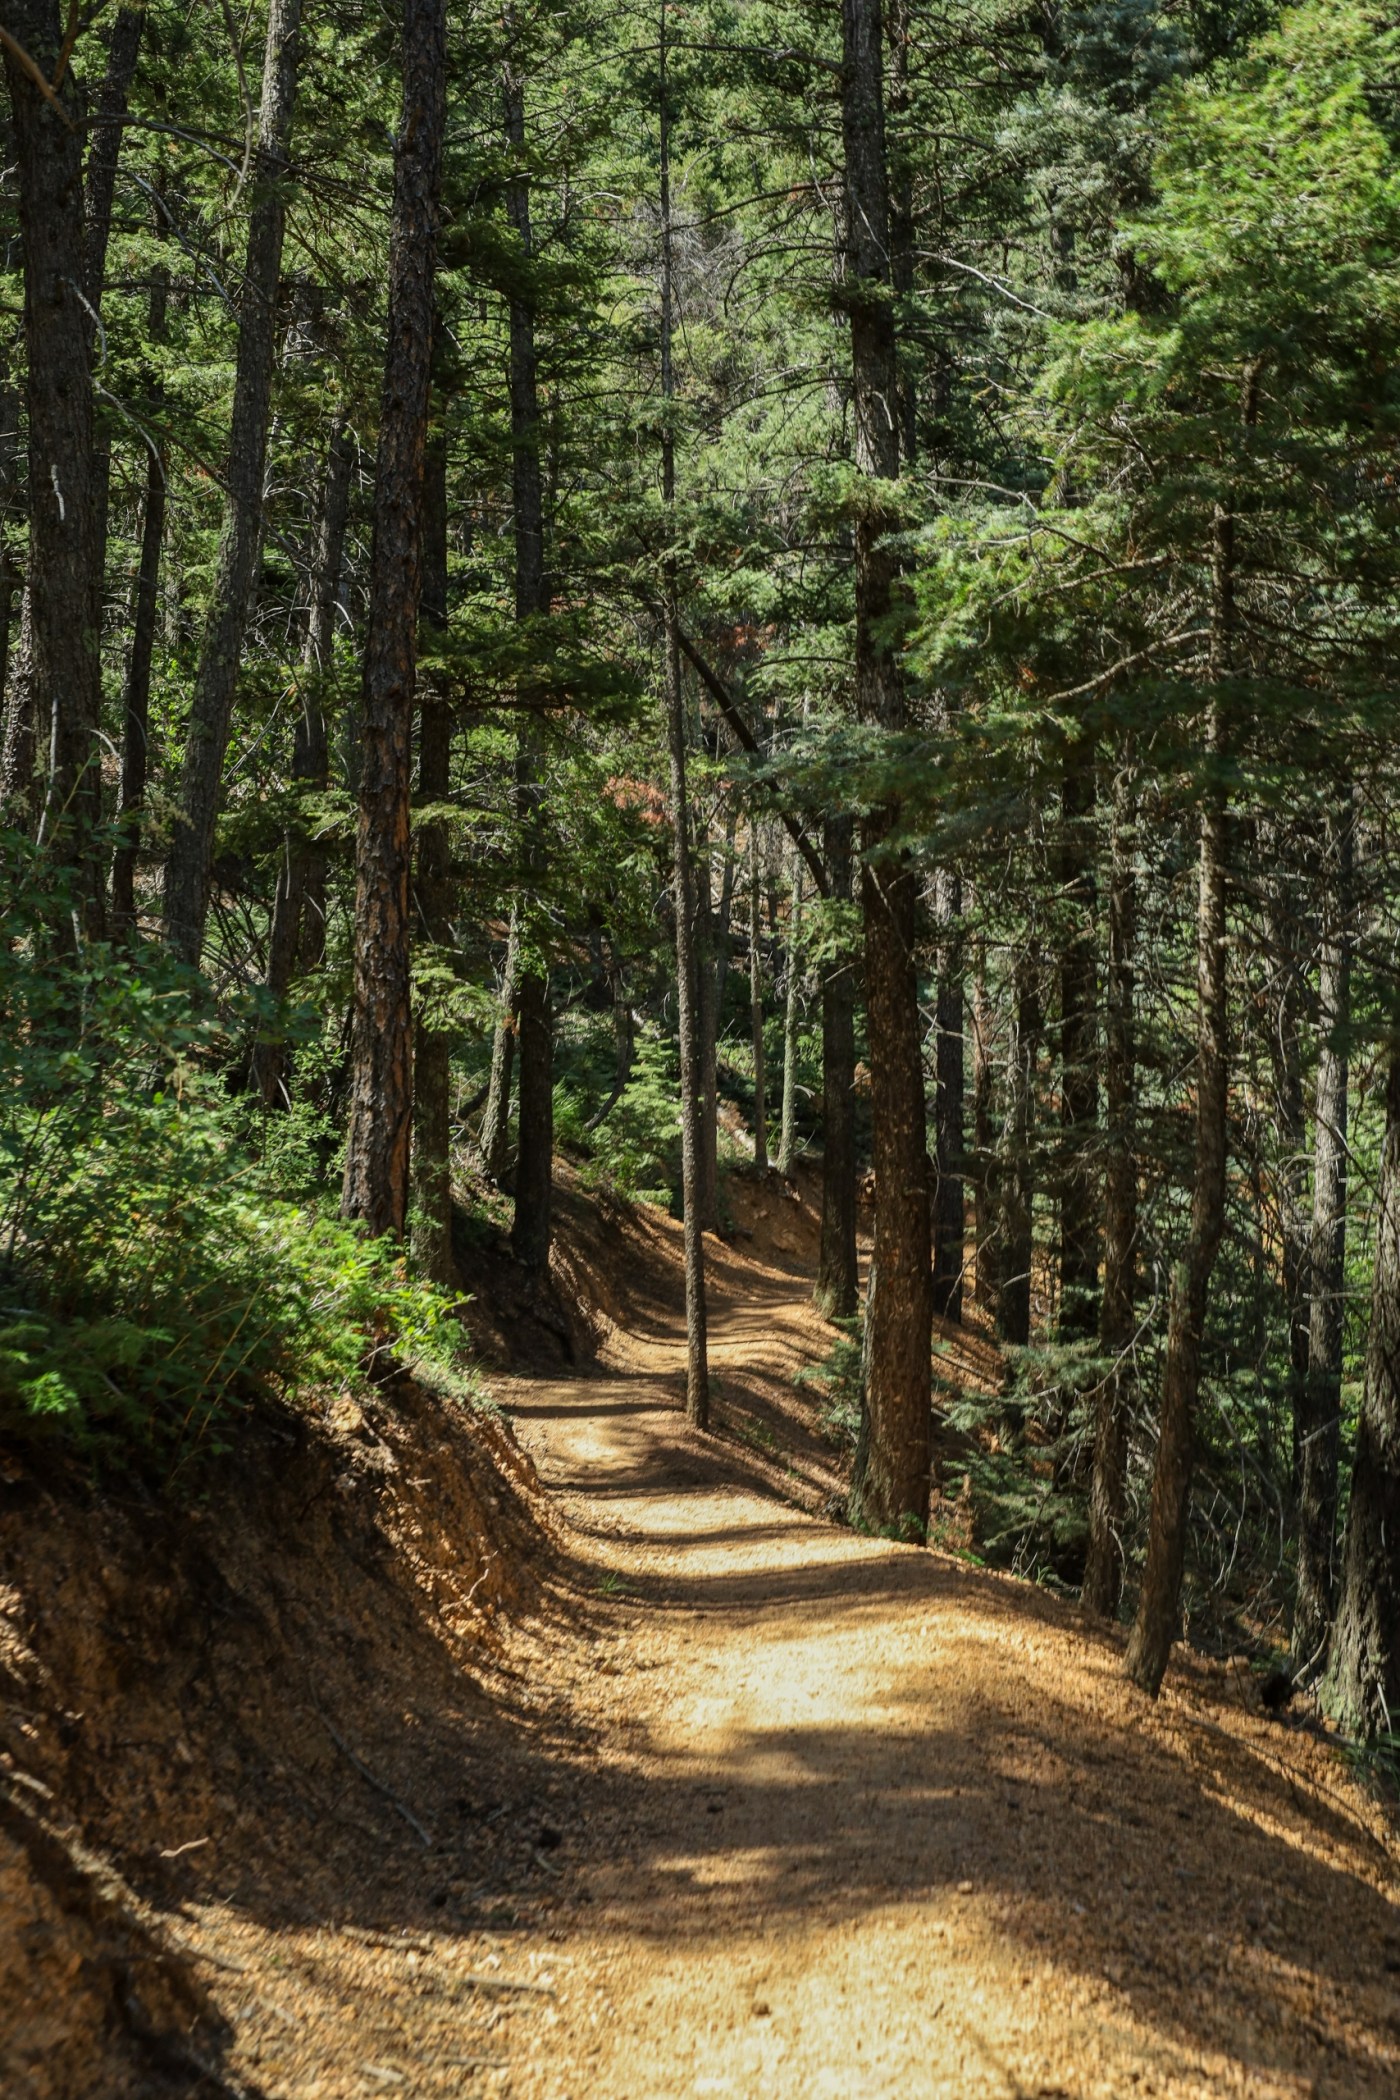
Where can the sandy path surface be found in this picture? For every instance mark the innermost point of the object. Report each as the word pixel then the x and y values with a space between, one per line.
pixel 864 1820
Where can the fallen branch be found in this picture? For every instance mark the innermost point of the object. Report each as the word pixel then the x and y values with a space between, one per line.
pixel 399 1807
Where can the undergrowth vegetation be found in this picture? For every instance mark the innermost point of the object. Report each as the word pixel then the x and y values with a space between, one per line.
pixel 156 1277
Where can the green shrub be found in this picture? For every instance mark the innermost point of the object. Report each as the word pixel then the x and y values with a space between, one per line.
pixel 152 1279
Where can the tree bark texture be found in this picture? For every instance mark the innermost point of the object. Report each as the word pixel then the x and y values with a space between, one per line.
pixel 1364 1670
pixel 1103 1572
pixel 1080 1205
pixel 381 1085
pixel 493 1142
pixel 1016 1166
pixel 838 1277
pixel 65 579
pixel 1284 921
pixel 760 1077
pixel 1156 1624
pixel 792 1015
pixel 534 1167
pixel 104 154
pixel 188 868
pixel 949 1098
pixel 1319 1432
pixel 136 710
pixel 431 1165
pixel 707 1000
pixel 697 1380
pixel 892 1488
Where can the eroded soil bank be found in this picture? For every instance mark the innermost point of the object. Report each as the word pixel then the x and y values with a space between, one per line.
pixel 601 1764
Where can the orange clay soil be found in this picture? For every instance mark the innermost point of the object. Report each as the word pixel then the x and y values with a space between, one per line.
pixel 736 1803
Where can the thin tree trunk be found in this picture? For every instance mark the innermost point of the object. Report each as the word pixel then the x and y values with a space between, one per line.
pixel 949 1099
pixel 136 709
pixel 494 1141
pixel 1364 1671
pixel 381 1056
pixel 301 880
pixel 892 1488
pixel 1017 1170
pixel 792 1014
pixel 1284 922
pixel 534 1167
pixel 706 988
pixel 65 577
pixel 838 1277
pixel 431 1166
pixel 1156 1624
pixel 1080 1207
pixel 123 50
pixel 697 1383
pixel 760 1077
pixel 986 1218
pixel 724 925
pixel 187 871
pixel 1103 1573
pixel 1319 1436
pixel 17 763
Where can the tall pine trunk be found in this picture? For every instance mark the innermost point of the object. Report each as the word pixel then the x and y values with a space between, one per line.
pixel 792 1014
pixel 1156 1624
pixel 1319 1431
pixel 431 1168
pixel 949 1098
pixel 64 698
pixel 760 1075
pixel 1080 1207
pixel 534 1166
pixel 136 697
pixel 1364 1668
pixel 1103 1573
pixel 891 1489
pixel 493 1141
pixel 838 1282
pixel 104 154
pixel 188 867
pixel 697 1379
pixel 1016 1166
pixel 1284 920
pixel 381 1083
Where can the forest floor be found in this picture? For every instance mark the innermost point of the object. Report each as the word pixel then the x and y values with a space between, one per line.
pixel 734 1802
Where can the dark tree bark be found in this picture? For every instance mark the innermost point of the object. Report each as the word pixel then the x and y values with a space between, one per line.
pixel 1080 1208
pixel 1103 1573
pixel 724 919
pixel 494 1140
pixel 760 1077
pixel 892 1486
pixel 1364 1670
pixel 949 1099
pixel 1284 922
pixel 1319 1431
pixel 187 869
pixel 104 154
pixel 706 993
pixel 431 1165
pixel 1156 1624
pixel 792 1013
pixel 65 578
pixel 534 1168
pixel 17 757
pixel 1016 1168
pixel 986 1220
pixel 697 1382
pixel 381 1082
pixel 136 710
pixel 838 1278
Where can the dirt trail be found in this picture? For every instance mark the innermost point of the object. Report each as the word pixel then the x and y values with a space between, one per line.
pixel 390 1772
pixel 867 1821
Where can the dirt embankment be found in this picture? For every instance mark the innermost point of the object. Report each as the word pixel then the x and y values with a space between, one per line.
pixel 264 1708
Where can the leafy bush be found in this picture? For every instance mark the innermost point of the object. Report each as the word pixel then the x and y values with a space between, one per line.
pixel 152 1279
pixel 636 1149
pixel 838 1378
